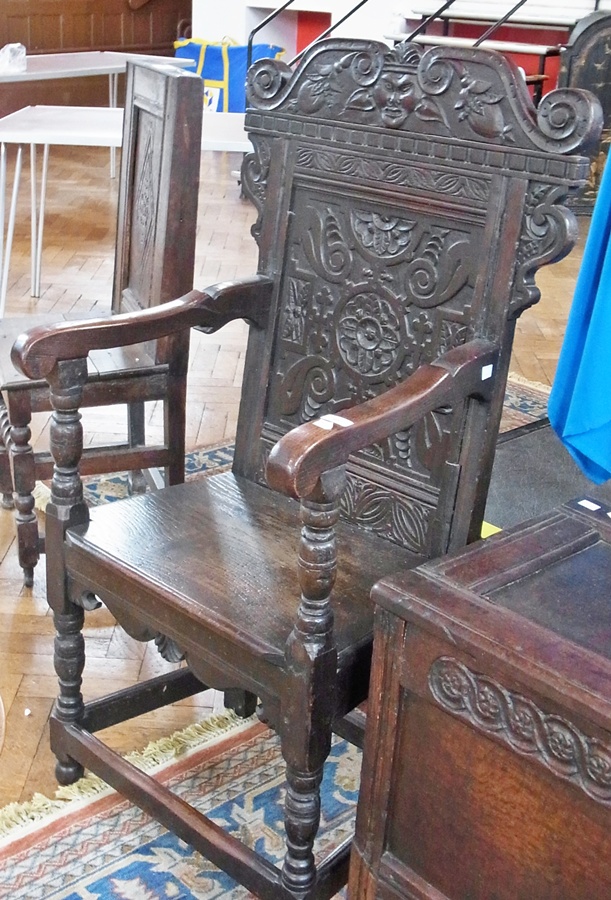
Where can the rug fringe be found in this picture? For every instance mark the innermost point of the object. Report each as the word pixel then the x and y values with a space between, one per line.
pixel 42 495
pixel 15 816
pixel 537 385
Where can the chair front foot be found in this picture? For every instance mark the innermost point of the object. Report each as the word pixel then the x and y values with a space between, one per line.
pixel 68 770
pixel 7 501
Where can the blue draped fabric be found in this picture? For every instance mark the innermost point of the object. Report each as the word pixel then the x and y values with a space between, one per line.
pixel 580 401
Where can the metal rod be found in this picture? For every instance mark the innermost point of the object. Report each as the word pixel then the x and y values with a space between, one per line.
pixel 261 25
pixel 500 22
pixel 330 29
pixel 425 24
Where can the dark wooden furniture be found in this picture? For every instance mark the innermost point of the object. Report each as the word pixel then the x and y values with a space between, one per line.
pixel 154 262
pixel 54 26
pixel 487 764
pixel 586 63
pixel 393 189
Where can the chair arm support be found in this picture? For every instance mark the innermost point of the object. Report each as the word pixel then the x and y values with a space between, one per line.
pixel 298 460
pixel 36 352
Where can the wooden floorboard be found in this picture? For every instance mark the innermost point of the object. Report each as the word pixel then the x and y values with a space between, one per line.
pixel 77 277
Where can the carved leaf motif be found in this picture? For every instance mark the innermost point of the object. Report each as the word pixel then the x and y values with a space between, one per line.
pixel 410 524
pixel 369 507
pixel 453 334
pixel 326 247
pixel 307 385
pixel 478 86
pixel 428 110
pixel 361 100
pixel 479 105
pixel 408 54
pixel 168 649
pixel 386 513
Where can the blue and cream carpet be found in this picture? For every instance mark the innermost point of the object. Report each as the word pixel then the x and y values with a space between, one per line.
pixel 102 847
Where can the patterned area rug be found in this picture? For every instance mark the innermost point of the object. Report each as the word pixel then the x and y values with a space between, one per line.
pixel 525 402
pixel 102 848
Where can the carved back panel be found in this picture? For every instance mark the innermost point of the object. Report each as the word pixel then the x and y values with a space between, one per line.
pixel 158 190
pixel 406 199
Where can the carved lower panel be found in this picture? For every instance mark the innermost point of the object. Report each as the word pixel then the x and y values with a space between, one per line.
pixel 402 515
pixel 386 513
pixel 520 724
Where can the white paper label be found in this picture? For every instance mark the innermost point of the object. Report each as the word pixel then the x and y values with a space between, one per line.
pixel 327 422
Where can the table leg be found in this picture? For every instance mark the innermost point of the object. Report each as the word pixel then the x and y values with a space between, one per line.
pixel 33 214
pixel 6 256
pixel 38 218
pixel 112 102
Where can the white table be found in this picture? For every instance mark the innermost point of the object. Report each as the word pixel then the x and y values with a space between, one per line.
pixel 83 126
pixel 46 66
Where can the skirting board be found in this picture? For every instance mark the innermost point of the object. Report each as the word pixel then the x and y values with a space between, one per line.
pixel 224 131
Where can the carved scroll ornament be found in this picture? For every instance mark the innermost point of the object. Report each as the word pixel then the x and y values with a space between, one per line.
pixel 401 88
pixel 521 724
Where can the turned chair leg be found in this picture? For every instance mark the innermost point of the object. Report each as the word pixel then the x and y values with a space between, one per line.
pixel 69 660
pixel 23 468
pixel 6 478
pixel 309 703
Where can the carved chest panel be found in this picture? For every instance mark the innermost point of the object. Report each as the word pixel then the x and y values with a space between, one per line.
pixel 487 771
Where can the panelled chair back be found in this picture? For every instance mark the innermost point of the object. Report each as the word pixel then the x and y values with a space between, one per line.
pixel 405 201
pixel 155 258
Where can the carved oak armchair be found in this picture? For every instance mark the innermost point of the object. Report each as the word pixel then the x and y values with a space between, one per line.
pixel 406 200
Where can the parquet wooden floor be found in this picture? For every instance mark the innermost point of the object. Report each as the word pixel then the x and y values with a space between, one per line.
pixel 77 276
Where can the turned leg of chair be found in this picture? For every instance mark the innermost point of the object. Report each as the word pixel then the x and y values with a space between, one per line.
pixel 23 468
pixel 69 660
pixel 308 706
pixel 6 479
pixel 66 508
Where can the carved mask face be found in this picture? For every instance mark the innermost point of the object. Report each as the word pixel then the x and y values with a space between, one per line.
pixel 395 97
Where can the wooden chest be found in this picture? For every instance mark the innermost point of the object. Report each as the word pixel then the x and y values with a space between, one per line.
pixel 487 767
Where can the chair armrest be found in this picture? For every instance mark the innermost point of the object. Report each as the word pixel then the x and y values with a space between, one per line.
pixel 298 460
pixel 37 351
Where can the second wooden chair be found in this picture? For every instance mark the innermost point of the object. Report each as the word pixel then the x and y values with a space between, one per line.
pixel 155 257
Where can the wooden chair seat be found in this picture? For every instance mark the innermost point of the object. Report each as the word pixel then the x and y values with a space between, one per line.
pixel 223 550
